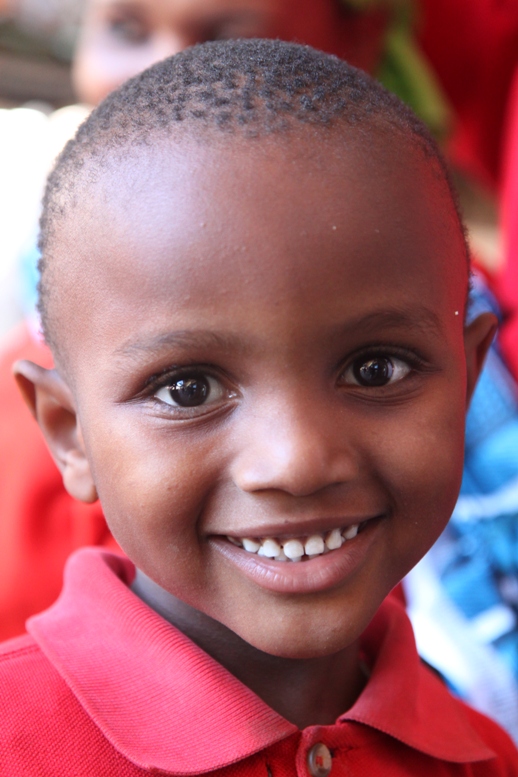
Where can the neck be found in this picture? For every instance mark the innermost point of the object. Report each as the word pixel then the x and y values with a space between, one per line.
pixel 307 692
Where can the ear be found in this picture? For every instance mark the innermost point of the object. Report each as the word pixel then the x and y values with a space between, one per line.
pixel 478 336
pixel 51 403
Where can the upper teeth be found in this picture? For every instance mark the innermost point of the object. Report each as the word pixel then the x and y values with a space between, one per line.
pixel 296 548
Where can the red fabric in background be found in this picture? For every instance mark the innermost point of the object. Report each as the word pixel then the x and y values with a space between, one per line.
pixel 508 279
pixel 473 48
pixel 40 524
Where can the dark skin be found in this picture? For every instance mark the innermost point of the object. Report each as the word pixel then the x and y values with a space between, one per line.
pixel 310 692
pixel 274 270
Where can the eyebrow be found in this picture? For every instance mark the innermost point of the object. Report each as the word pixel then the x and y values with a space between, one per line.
pixel 184 339
pixel 423 319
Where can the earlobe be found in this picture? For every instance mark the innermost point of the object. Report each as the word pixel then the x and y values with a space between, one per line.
pixel 478 336
pixel 51 402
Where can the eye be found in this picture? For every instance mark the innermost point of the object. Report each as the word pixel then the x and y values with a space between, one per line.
pixel 376 371
pixel 129 29
pixel 192 390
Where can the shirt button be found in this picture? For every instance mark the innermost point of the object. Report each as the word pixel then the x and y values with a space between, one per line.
pixel 319 760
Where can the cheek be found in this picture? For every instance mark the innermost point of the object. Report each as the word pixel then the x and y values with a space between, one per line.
pixel 101 67
pixel 154 488
pixel 93 77
pixel 422 469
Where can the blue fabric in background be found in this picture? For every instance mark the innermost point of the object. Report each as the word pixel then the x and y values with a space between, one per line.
pixel 476 557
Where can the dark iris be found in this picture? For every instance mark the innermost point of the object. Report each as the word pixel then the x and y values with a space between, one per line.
pixel 128 30
pixel 190 392
pixel 373 372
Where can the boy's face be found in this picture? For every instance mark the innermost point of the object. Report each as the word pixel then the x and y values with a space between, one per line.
pixel 120 38
pixel 271 346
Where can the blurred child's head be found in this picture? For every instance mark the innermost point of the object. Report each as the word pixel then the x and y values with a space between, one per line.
pixel 120 38
pixel 254 281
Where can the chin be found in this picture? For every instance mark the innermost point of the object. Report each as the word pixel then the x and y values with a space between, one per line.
pixel 301 644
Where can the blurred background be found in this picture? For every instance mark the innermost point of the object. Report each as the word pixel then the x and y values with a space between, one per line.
pixel 36 46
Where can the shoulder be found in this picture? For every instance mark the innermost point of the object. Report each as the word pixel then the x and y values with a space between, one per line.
pixel 32 692
pixel 410 703
pixel 506 761
pixel 43 728
pixel 21 660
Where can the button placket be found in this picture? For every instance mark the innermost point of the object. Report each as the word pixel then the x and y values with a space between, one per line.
pixel 319 760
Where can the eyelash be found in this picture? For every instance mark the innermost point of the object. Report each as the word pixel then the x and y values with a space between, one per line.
pixel 173 376
pixel 167 380
pixel 412 360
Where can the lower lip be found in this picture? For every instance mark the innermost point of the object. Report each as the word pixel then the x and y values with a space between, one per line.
pixel 301 577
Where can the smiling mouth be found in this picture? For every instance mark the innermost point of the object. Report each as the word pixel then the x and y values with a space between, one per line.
pixel 297 548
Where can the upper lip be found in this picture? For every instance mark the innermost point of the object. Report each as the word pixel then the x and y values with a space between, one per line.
pixel 297 528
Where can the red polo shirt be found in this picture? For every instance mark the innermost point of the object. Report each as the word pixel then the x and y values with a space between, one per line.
pixel 102 685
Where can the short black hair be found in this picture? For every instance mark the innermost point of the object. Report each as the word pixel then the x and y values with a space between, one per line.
pixel 250 88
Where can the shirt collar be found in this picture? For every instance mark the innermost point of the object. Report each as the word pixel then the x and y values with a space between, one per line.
pixel 406 700
pixel 133 674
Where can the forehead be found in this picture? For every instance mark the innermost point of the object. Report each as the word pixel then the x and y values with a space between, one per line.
pixel 180 230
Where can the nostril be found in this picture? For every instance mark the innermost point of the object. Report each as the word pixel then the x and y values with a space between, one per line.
pixel 299 474
pixel 299 449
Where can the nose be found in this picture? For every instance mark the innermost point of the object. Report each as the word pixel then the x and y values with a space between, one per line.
pixel 299 449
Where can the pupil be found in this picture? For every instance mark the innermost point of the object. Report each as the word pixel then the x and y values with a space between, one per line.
pixel 128 30
pixel 374 372
pixel 190 392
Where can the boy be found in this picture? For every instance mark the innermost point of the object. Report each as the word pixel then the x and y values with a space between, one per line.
pixel 117 40
pixel 254 280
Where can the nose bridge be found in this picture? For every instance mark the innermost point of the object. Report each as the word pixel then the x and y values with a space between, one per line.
pixel 295 443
